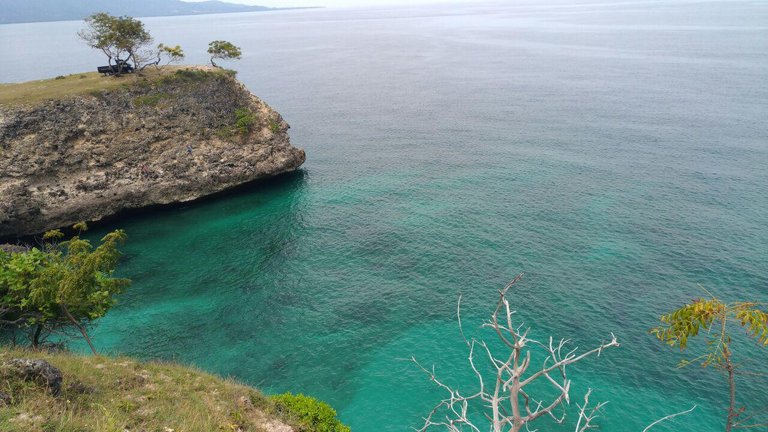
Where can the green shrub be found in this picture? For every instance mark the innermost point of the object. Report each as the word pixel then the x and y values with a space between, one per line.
pixel 188 75
pixel 149 100
pixel 312 414
pixel 274 126
pixel 244 120
pixel 60 77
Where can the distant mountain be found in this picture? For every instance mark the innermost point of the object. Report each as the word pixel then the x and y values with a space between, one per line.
pixel 17 11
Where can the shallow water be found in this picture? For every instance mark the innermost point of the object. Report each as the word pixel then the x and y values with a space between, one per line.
pixel 614 152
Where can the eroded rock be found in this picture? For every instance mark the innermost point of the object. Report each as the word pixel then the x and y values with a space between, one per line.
pixel 175 140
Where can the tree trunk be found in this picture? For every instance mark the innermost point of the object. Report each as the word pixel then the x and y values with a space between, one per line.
pixel 732 414
pixel 36 336
pixel 79 327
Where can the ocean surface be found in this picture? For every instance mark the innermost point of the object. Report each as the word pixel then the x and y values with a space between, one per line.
pixel 614 151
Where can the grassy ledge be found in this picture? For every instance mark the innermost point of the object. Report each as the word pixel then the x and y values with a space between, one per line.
pixel 122 394
pixel 90 83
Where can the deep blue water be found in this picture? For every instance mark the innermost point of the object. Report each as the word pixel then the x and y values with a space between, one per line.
pixel 615 152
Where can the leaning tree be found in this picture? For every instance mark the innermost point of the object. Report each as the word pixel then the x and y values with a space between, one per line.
pixel 223 50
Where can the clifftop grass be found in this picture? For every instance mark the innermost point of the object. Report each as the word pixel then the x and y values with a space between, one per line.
pixel 122 394
pixel 31 92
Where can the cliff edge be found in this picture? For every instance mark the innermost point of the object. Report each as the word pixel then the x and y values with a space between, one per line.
pixel 45 391
pixel 131 142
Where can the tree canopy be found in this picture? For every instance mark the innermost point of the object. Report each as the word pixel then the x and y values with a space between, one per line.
pixel 60 285
pixel 716 318
pixel 223 50
pixel 116 37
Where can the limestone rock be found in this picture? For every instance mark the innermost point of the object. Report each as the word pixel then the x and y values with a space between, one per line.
pixel 39 371
pixel 168 141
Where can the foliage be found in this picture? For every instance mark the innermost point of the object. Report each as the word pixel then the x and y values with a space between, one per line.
pixel 186 75
pixel 687 321
pixel 274 126
pixel 155 56
pixel 173 54
pixel 116 37
pixel 149 100
pixel 60 285
pixel 223 50
pixel 715 317
pixel 312 414
pixel 244 120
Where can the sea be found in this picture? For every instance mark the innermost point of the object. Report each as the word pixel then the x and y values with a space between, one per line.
pixel 613 151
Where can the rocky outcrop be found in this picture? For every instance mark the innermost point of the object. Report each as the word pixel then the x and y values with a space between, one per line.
pixel 38 371
pixel 172 139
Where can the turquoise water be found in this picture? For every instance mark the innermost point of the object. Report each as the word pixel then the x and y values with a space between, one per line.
pixel 614 152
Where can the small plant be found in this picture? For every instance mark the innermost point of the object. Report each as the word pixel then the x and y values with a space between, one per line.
pixel 312 414
pixel 149 100
pixel 274 126
pixel 60 77
pixel 244 120
pixel 186 75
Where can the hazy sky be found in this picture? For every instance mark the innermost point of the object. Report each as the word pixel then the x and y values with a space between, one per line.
pixel 330 3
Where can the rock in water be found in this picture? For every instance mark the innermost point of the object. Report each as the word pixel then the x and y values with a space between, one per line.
pixel 155 141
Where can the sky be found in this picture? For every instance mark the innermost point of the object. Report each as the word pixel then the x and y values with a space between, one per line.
pixel 330 3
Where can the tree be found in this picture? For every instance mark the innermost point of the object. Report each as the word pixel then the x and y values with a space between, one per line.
pixel 502 400
pixel 154 57
pixel 223 50
pixel 172 54
pixel 505 394
pixel 116 37
pixel 716 317
pixel 62 285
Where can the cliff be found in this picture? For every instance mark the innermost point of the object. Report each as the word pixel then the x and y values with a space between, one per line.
pixel 93 150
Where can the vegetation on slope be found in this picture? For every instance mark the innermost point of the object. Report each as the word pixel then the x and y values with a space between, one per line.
pixel 91 83
pixel 122 394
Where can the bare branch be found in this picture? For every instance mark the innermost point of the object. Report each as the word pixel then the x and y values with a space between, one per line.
pixel 502 400
pixel 587 414
pixel 667 418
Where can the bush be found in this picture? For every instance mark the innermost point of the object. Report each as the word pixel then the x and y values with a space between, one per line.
pixel 274 126
pixel 244 120
pixel 311 414
pixel 149 100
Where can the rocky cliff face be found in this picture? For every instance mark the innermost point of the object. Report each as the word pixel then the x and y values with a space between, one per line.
pixel 187 135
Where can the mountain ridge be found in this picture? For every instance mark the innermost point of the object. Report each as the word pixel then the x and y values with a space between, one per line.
pixel 14 11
